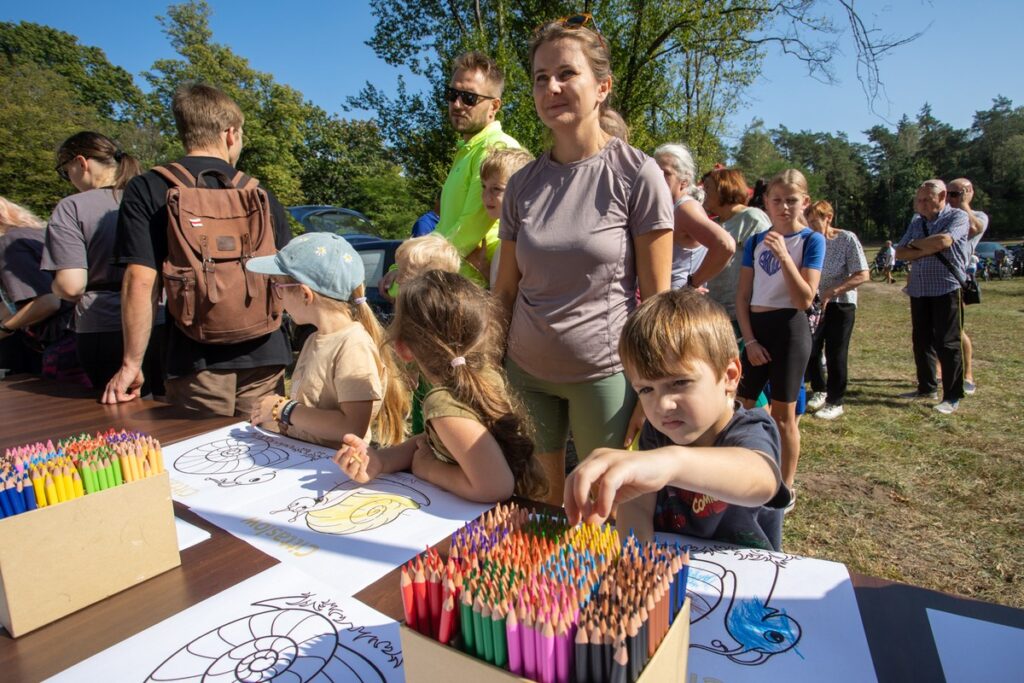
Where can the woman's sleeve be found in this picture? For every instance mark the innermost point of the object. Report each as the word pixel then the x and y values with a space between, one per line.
pixel 650 203
pixel 65 240
pixel 508 226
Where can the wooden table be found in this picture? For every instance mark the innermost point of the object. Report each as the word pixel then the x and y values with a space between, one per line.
pixel 893 614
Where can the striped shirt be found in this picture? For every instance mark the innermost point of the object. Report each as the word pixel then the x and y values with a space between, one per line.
pixel 928 275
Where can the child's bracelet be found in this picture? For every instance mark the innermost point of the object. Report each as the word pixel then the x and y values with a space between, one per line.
pixel 286 413
pixel 275 412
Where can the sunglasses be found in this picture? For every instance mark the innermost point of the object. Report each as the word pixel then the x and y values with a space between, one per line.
pixel 580 21
pixel 470 99
pixel 279 287
pixel 63 172
pixel 955 193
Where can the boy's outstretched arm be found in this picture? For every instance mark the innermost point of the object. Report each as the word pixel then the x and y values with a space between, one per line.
pixel 739 476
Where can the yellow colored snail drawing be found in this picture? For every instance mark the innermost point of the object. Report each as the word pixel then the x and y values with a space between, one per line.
pixel 351 508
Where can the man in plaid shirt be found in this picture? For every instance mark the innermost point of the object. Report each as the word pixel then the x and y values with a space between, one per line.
pixel 935 307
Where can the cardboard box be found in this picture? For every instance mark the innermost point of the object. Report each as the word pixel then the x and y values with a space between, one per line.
pixel 428 661
pixel 57 560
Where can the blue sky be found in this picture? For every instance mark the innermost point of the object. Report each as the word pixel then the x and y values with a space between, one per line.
pixel 966 57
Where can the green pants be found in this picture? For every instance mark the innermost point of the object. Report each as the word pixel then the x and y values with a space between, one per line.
pixel 598 411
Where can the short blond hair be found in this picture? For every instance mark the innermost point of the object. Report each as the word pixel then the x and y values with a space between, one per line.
pixel 673 330
pixel 201 113
pixel 503 162
pixel 422 254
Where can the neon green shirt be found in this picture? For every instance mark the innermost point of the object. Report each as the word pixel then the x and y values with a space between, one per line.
pixel 464 222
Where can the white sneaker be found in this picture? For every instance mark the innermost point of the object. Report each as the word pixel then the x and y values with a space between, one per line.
pixel 947 407
pixel 816 401
pixel 829 412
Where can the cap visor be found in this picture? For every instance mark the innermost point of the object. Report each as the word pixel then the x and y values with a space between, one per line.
pixel 264 265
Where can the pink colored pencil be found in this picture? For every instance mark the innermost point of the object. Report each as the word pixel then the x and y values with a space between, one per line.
pixel 515 655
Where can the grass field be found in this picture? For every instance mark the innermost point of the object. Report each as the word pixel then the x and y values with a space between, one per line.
pixel 893 488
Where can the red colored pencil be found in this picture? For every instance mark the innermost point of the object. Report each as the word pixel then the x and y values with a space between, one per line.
pixel 446 626
pixel 408 600
pixel 419 591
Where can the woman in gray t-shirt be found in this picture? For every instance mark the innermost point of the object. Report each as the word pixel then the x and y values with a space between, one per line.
pixel 845 268
pixel 583 227
pixel 79 249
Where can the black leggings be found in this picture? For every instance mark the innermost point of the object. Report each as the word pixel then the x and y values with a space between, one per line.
pixel 834 336
pixel 101 353
pixel 786 336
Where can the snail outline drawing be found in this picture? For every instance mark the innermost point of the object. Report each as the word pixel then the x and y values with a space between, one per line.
pixel 244 457
pixel 297 639
pixel 351 508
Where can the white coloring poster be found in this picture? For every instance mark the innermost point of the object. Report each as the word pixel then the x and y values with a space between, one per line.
pixel 279 624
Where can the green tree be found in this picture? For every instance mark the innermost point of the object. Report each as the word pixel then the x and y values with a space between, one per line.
pixel 346 163
pixel 94 81
pixel 836 171
pixel 679 68
pixel 39 110
pixel 899 170
pixel 275 113
pixel 756 155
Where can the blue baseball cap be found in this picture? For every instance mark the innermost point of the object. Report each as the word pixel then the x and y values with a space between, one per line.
pixel 323 261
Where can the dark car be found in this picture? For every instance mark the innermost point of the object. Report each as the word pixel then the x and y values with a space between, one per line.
pixel 340 221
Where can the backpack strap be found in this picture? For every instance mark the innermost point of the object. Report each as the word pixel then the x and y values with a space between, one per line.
pixel 242 181
pixel 176 174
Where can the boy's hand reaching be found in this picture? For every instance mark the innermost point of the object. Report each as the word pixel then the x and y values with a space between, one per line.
pixel 357 460
pixel 609 477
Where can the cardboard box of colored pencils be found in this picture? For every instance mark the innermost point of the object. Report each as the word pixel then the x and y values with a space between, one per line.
pixel 427 661
pixel 523 596
pixel 79 549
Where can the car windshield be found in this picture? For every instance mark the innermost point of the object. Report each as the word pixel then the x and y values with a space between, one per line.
pixel 987 249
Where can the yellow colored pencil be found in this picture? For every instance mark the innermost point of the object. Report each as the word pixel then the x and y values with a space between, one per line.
pixel 52 498
pixel 126 468
pixel 76 482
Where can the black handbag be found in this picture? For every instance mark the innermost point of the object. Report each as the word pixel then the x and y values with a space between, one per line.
pixel 970 292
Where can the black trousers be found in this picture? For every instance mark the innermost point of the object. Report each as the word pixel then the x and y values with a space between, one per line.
pixel 100 354
pixel 937 322
pixel 833 334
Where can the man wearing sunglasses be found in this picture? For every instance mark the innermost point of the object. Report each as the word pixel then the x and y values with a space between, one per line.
pixel 961 194
pixel 474 99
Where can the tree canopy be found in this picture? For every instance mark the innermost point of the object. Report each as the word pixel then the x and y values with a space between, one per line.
pixel 679 70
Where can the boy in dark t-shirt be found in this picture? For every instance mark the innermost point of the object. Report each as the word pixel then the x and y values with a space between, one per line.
pixel 226 379
pixel 707 467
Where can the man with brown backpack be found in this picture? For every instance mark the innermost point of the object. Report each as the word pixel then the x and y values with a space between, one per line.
pixel 195 223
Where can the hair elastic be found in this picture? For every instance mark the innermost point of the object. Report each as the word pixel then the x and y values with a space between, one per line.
pixel 118 155
pixel 458 360
pixel 359 301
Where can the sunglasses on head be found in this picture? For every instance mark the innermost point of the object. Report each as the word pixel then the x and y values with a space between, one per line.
pixel 470 99
pixel 580 21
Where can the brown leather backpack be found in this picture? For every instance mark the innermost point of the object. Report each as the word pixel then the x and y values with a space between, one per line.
pixel 211 233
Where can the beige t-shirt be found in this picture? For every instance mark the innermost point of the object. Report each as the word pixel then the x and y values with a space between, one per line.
pixel 334 368
pixel 574 226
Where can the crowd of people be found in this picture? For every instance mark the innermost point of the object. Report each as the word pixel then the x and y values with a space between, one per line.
pixel 595 293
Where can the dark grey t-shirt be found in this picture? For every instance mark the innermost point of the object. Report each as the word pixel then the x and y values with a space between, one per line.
pixel 679 511
pixel 81 234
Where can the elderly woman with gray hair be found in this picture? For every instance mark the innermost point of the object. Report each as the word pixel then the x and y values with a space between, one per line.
pixel 701 248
